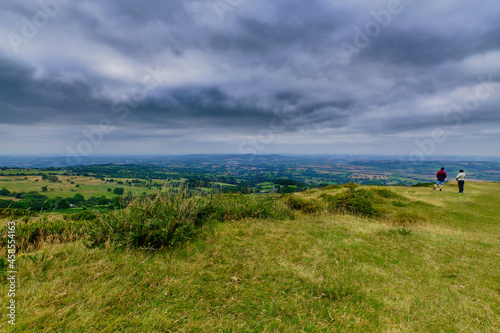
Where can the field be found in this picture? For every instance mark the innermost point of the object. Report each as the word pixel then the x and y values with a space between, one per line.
pixel 427 261
pixel 68 187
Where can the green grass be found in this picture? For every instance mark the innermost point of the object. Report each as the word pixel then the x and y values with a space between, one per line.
pixel 428 264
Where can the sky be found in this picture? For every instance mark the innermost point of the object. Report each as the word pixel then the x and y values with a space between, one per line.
pixel 410 78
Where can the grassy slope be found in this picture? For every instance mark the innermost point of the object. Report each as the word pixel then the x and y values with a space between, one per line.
pixel 315 273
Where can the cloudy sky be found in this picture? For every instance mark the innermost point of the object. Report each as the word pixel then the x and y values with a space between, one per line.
pixel 418 78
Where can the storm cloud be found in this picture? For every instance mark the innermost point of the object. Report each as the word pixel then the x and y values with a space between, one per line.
pixel 249 76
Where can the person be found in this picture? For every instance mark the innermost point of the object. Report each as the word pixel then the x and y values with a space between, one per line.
pixel 441 176
pixel 461 181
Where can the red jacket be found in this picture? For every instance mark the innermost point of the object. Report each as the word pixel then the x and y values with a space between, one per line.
pixel 441 175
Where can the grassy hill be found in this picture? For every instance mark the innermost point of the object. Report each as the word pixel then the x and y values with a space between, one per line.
pixel 387 259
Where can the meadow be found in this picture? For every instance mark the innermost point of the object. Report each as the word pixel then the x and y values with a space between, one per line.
pixel 68 186
pixel 337 259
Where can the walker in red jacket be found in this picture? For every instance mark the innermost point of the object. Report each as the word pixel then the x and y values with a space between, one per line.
pixel 441 176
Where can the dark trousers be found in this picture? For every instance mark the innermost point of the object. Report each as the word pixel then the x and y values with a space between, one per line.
pixel 461 186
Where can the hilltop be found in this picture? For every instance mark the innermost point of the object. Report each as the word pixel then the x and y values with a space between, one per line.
pixel 340 258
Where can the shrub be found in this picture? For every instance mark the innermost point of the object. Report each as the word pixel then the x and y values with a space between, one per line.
pixel 357 202
pixel 398 204
pixel 296 203
pixel 171 217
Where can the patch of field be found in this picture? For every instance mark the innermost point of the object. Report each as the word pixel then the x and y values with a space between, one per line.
pixel 69 186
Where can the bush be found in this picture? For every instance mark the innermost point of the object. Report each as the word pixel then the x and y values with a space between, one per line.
pixel 398 204
pixel 357 202
pixel 171 217
pixel 296 203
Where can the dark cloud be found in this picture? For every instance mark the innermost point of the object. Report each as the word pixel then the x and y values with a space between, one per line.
pixel 226 76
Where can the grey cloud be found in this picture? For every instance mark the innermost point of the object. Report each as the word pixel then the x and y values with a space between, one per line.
pixel 286 58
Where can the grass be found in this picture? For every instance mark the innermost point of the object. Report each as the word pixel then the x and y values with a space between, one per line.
pixel 318 272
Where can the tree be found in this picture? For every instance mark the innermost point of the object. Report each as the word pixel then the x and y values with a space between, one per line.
pixel 5 192
pixel 52 179
pixel 44 189
pixel 35 201
pixel 63 204
pixel 119 190
pixel 102 201
pixel 78 198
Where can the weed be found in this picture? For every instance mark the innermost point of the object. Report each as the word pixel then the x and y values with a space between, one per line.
pixel 404 232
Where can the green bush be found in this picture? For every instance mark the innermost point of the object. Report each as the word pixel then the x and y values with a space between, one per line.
pixel 399 204
pixel 172 217
pixel 357 202
pixel 296 203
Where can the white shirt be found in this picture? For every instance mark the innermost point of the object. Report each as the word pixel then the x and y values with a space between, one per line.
pixel 461 176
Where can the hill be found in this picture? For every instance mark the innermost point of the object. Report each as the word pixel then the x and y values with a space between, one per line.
pixel 341 258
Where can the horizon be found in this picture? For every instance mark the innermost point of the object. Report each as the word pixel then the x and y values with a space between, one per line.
pixel 89 79
pixel 232 160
